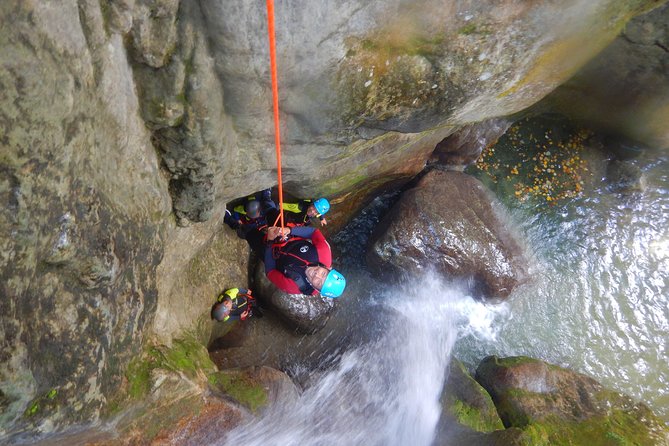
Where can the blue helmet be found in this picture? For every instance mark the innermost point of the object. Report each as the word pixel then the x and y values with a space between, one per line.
pixel 333 285
pixel 322 206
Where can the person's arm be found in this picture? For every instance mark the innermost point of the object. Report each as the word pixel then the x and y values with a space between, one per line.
pixel 282 282
pixel 276 277
pixel 323 248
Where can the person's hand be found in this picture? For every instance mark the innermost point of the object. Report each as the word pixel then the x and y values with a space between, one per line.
pixel 274 231
pixel 244 315
pixel 324 222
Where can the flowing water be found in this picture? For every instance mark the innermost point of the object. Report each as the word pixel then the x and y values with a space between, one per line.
pixel 597 303
pixel 384 392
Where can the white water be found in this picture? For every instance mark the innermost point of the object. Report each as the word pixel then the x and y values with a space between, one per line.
pixel 599 301
pixel 385 392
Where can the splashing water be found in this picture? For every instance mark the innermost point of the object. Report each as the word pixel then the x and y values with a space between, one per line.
pixel 598 303
pixel 385 392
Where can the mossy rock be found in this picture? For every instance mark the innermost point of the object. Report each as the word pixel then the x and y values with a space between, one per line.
pixel 618 428
pixel 557 406
pixel 186 356
pixel 240 386
pixel 468 402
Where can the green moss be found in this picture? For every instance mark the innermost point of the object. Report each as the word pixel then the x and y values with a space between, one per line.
pixel 240 387
pixel 468 29
pixel 474 418
pixel 619 428
pixel 42 402
pixel 186 356
pixel 139 375
pixel 32 409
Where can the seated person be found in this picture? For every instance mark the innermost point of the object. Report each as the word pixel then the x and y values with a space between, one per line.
pixel 301 213
pixel 234 304
pixel 303 263
pixel 251 213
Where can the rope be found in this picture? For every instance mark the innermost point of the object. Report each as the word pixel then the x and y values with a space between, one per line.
pixel 275 104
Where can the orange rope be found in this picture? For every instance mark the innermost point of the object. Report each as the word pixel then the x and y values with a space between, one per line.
pixel 275 103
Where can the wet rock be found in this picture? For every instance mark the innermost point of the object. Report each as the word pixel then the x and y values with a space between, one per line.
pixel 306 314
pixel 257 387
pixel 623 176
pixel 625 88
pixel 197 266
pixel 447 222
pixel 563 406
pixel 465 401
pixel 357 78
pixel 464 146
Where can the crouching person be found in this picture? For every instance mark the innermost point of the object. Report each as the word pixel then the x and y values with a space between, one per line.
pixel 234 304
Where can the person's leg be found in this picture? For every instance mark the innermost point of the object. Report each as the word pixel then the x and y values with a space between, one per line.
pixel 255 239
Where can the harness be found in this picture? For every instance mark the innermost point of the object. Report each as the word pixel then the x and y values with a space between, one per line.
pixel 292 259
pixel 239 301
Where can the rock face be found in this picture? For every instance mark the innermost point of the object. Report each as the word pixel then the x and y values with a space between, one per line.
pixel 362 85
pixel 83 203
pixel 559 406
pixel 465 146
pixel 625 89
pixel 115 114
pixel 306 314
pixel 447 222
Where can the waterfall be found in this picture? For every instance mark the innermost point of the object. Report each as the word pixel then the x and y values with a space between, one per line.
pixel 387 391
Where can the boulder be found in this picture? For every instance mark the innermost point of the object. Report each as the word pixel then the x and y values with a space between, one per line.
pixel 464 400
pixel 447 222
pixel 306 314
pixel 256 387
pixel 559 406
pixel 623 176
pixel 465 146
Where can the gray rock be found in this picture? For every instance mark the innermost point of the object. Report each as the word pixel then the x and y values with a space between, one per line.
pixel 625 88
pixel 467 402
pixel 306 314
pixel 465 146
pixel 563 405
pixel 154 31
pixel 447 222
pixel 623 176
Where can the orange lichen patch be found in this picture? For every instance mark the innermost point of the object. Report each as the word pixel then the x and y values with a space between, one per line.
pixel 537 163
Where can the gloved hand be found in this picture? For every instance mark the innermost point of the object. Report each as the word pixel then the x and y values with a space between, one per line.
pixel 274 231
